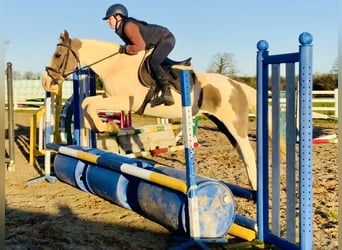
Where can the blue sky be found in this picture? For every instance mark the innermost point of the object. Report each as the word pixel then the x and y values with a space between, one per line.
pixel 202 28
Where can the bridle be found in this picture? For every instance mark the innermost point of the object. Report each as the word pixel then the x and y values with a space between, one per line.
pixel 61 71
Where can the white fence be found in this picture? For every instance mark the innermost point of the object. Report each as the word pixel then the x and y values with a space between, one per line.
pixel 324 103
pixel 30 95
pixel 329 96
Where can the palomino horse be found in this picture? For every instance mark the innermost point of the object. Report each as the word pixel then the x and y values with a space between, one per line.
pixel 225 101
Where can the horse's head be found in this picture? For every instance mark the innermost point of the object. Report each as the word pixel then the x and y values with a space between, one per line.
pixel 64 62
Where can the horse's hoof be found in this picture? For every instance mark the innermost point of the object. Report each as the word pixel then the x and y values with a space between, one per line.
pixel 169 102
pixel 158 101
pixel 113 127
pixel 102 134
pixel 166 100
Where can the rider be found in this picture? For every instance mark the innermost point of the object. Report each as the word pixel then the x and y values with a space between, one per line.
pixel 138 36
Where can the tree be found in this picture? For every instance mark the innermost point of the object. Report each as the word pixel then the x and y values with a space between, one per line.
pixel 28 75
pixel 334 69
pixel 16 75
pixel 223 63
pixel 325 82
pixel 38 75
pixel 334 72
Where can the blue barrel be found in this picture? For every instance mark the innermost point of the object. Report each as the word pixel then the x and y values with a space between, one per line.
pixel 160 204
pixel 71 170
pixel 109 184
pixel 169 208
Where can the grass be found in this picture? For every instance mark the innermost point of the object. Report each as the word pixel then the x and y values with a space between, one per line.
pixel 332 215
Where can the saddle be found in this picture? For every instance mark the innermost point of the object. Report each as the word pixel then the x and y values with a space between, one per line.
pixel 171 67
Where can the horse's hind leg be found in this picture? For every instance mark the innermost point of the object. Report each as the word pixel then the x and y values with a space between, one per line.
pixel 241 142
pixel 247 153
pixel 243 146
pixel 238 136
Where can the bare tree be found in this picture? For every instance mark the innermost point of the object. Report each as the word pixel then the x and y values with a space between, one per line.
pixel 334 69
pixel 38 76
pixel 223 63
pixel 16 75
pixel 29 75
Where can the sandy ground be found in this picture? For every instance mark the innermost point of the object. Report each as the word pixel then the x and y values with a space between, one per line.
pixel 58 216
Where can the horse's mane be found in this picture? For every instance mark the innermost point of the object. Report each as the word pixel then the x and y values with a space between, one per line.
pixel 98 42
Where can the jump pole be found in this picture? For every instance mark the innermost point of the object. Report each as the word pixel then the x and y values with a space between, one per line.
pixel 187 131
pixel 136 131
pixel 116 164
pixel 191 181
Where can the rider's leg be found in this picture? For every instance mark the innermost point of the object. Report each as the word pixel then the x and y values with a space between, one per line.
pixel 159 54
pixel 166 95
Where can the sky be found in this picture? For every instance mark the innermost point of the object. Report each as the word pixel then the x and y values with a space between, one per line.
pixel 202 28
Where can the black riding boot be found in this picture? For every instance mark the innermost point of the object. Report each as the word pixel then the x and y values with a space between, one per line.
pixel 166 95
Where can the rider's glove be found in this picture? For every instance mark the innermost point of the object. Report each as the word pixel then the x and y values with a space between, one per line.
pixel 122 49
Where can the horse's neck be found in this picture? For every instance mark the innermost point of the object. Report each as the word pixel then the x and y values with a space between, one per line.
pixel 119 72
pixel 103 56
pixel 92 52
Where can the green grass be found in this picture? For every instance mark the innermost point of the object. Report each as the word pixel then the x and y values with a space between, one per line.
pixel 332 215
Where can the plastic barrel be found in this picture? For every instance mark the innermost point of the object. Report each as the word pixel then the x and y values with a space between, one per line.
pixel 169 208
pixel 109 185
pixel 71 170
pixel 155 202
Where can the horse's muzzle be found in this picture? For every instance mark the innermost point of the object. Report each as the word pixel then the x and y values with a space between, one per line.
pixel 49 86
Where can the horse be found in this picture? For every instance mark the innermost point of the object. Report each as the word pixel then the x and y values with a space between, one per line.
pixel 224 101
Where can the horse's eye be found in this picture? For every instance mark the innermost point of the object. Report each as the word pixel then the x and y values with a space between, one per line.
pixel 57 55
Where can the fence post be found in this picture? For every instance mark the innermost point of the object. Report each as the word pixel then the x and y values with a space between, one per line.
pixel 11 162
pixel 305 142
pixel 262 142
pixel 336 102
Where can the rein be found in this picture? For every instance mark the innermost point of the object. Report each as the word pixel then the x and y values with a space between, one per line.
pixel 96 62
pixel 62 73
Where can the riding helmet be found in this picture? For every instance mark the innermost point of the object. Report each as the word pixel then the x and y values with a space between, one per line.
pixel 116 9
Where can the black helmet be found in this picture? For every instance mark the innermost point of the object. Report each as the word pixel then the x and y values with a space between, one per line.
pixel 116 9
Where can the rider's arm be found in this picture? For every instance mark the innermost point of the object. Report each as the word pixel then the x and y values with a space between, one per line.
pixel 132 32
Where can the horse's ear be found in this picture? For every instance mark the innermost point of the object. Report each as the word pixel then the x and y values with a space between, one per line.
pixel 64 36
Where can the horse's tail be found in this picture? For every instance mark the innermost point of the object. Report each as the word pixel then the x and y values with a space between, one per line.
pixel 251 95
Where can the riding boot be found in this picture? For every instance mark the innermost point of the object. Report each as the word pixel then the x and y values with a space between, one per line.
pixel 166 97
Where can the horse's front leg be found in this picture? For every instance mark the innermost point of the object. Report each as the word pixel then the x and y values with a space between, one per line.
pixel 90 105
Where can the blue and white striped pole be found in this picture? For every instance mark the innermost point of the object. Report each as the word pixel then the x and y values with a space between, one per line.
pixel 188 141
pixel 48 138
pixel 48 133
